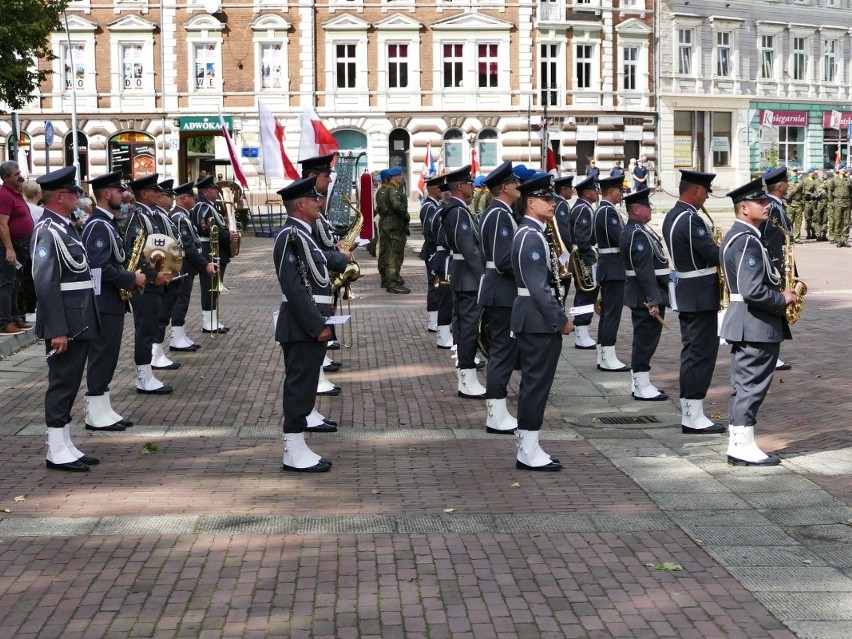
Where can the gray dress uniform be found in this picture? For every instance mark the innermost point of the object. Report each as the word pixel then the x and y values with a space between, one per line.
pixel 695 257
pixel 193 264
pixel 66 306
pixel 105 250
pixel 647 268
pixel 754 324
pixel 610 274
pixel 497 293
pixel 582 237
pixel 440 264
pixel 306 304
pixel 537 321
pixel 204 215
pixel 773 237
pixel 465 272
pixel 427 211
pixel 168 227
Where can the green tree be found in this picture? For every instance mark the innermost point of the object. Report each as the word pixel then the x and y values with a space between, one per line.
pixel 25 26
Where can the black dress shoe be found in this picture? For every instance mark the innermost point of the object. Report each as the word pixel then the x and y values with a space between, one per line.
pixel 185 349
pixel 334 392
pixel 322 428
pixel 552 466
pixel 656 398
pixel 445 348
pixel 116 427
pixel 623 369
pixel 715 429
pixel 223 329
pixel 784 367
pixel 171 367
pixel 432 330
pixel 494 431
pixel 73 467
pixel 479 365
pixel 331 368
pixel 398 290
pixel 165 389
pixel 330 422
pixel 333 345
pixel 772 460
pixel 322 466
pixel 125 422
pixel 586 348
pixel 466 396
pixel 89 460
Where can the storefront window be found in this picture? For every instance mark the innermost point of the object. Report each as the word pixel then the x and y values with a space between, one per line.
pixel 134 154
pixel 791 146
pixel 683 137
pixel 721 139
pixel 832 141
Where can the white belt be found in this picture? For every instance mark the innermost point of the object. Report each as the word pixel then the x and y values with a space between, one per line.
pixel 736 297
pixel 204 239
pixel 658 271
pixel 604 251
pixel 685 275
pixel 441 248
pixel 490 265
pixel 76 286
pixel 525 292
pixel 318 299
pixel 459 257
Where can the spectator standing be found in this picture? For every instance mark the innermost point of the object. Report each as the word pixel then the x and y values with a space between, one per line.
pixel 593 171
pixel 16 228
pixel 640 175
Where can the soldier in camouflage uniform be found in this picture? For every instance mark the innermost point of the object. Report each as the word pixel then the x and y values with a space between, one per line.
pixel 839 204
pixel 795 202
pixel 393 230
pixel 380 209
pixel 481 196
pixel 809 202
pixel 820 206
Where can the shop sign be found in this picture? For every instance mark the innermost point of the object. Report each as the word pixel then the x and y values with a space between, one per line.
pixel 632 132
pixel 845 120
pixel 206 124
pixel 721 144
pixel 783 118
pixel 683 150
pixel 586 132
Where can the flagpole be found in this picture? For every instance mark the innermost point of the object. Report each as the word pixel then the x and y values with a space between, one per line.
pixel 529 129
pixel 75 147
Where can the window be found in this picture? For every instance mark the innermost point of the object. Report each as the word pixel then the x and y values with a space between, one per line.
pixel 453 149
pixel 487 65
pixel 133 66
pixel 453 65
pixel 767 57
pixel 629 56
pixel 74 66
pixel 723 54
pixel 829 69
pixel 345 64
pixel 791 145
pixel 549 54
pixel 800 59
pixel 206 63
pixel 397 66
pixel 271 65
pixel 684 51
pixel 584 62
pixel 721 143
pixel 487 148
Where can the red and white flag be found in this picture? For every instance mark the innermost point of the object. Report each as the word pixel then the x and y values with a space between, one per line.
pixel 474 165
pixel 551 165
pixel 316 140
pixel 276 164
pixel 232 153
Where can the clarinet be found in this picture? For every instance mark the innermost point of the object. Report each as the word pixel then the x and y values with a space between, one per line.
pixel 554 268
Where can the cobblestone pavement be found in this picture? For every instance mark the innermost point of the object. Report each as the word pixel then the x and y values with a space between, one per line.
pixel 423 528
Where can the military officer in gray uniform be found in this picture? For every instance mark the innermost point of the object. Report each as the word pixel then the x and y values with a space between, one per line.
pixel 695 256
pixel 773 236
pixel 582 239
pixel 538 321
pixel 205 214
pixel 105 250
pixel 646 291
pixel 610 272
pixel 301 327
pixel 497 293
pixel 67 316
pixel 754 324
pixel 440 265
pixel 462 236
pixel 427 211
pixel 564 189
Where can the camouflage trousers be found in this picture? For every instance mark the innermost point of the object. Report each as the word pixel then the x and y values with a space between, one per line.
pixel 796 211
pixel 819 222
pixel 838 220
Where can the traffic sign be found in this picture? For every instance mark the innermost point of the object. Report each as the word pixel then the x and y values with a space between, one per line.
pixel 48 133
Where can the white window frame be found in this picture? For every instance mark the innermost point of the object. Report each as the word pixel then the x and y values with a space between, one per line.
pixel 488 60
pixel 350 82
pixel 399 29
pixel 127 31
pixel 685 52
pixel 398 60
pixel 776 31
pixel 593 62
pixel 557 61
pixel 346 29
pixel 82 33
pixel 204 31
pixel 718 47
pixel 457 59
pixel 831 48
pixel 271 30
pixel 804 52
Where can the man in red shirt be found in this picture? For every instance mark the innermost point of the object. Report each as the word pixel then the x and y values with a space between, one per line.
pixel 16 227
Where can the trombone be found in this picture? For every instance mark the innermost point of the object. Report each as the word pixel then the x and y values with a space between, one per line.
pixel 215 284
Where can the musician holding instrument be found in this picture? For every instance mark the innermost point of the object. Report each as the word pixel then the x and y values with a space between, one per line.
pixel 538 321
pixel 646 291
pixel 754 324
pixel 610 272
pixel 440 263
pixel 694 251
pixel 497 293
pixel 205 215
pixel 107 256
pixel 584 257
pixel 67 316
pixel 430 245
pixel 146 304
pixel 301 328
pixel 772 235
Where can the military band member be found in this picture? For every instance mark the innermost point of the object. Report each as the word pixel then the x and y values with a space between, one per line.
pixel 497 293
pixel 695 256
pixel 610 273
pixel 646 291
pixel 563 187
pixel 440 264
pixel 105 250
pixel 67 316
pixel 301 327
pixel 581 234
pixel 773 237
pixel 754 324
pixel 462 236
pixel 538 321
pixel 204 215
pixel 430 243
pixel 146 304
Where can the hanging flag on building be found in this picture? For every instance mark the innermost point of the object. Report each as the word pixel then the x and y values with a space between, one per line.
pixel 276 164
pixel 232 153
pixel 316 140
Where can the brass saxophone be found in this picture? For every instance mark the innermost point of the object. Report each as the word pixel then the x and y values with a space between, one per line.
pixel 133 263
pixel 353 270
pixel 791 282
pixel 724 294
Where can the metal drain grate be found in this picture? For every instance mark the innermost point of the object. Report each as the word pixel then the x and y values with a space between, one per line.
pixel 636 419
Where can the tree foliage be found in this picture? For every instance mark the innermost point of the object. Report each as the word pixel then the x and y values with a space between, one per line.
pixel 25 27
